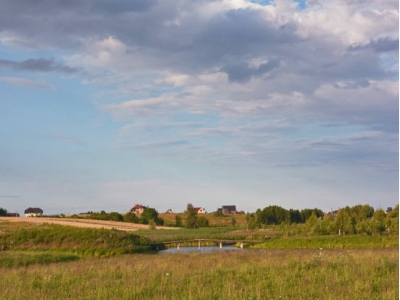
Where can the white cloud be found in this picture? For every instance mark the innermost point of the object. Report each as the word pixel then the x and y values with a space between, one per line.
pixel 26 82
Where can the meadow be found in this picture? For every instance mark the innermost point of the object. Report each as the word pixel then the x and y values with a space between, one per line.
pixel 60 262
pixel 278 274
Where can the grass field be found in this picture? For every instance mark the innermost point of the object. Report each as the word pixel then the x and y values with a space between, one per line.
pixel 282 274
pixel 55 262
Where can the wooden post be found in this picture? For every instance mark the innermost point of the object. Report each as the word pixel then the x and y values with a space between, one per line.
pixel 199 244
pixel 220 245
pixel 241 245
pixel 177 246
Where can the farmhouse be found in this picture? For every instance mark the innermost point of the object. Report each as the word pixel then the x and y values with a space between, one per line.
pixel 200 210
pixel 33 212
pixel 138 209
pixel 228 209
pixel 169 211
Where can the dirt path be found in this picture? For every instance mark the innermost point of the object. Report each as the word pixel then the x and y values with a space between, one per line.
pixel 86 223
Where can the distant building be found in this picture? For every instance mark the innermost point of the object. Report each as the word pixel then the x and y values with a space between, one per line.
pixel 33 212
pixel 169 211
pixel 138 209
pixel 200 210
pixel 13 215
pixel 228 209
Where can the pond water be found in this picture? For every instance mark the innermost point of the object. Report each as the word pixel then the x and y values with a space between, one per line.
pixel 204 249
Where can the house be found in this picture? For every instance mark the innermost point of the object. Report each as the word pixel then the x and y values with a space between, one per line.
pixel 200 210
pixel 13 215
pixel 228 209
pixel 33 212
pixel 169 211
pixel 138 209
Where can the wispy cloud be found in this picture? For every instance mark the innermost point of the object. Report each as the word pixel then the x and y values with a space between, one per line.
pixel 37 65
pixel 26 82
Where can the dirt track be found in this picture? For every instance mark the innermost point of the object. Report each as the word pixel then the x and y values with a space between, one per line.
pixel 86 223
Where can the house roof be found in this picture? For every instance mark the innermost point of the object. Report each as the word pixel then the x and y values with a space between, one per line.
pixel 137 207
pixel 196 209
pixel 229 207
pixel 33 210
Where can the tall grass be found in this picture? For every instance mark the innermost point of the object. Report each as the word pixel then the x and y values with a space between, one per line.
pixel 11 259
pixel 300 274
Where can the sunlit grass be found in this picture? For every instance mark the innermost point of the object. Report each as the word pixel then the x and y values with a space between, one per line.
pixel 273 274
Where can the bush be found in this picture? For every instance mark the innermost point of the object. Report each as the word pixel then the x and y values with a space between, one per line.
pixel 202 222
pixel 131 218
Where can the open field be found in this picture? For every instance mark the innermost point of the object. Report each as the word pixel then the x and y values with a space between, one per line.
pixel 50 261
pixel 84 223
pixel 284 274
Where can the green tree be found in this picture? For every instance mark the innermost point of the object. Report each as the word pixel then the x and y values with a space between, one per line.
pixel 394 213
pixel 202 222
pixel 294 216
pixel 150 214
pixel 312 222
pixel 361 212
pixel 3 212
pixel 379 219
pixel 131 218
pixel 191 217
pixel 218 213
pixel 178 221
pixel 251 224
pixel 233 222
pixel 344 222
pixel 114 216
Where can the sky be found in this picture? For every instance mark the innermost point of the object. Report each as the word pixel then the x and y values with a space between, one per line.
pixel 107 104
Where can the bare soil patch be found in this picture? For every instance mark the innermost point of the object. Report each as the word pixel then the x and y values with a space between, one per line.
pixel 85 223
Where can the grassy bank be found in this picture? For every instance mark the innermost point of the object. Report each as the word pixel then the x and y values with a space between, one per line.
pixel 331 241
pixel 84 242
pixel 299 274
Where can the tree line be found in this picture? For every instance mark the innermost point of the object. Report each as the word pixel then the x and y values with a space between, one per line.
pixel 348 220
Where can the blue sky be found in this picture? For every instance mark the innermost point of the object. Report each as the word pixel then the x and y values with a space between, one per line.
pixel 105 104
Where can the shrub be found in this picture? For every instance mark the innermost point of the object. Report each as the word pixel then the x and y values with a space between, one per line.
pixel 202 222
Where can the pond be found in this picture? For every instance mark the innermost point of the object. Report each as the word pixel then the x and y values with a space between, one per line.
pixel 204 249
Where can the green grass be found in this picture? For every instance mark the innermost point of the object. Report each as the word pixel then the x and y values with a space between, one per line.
pixel 283 274
pixel 331 241
pixel 11 259
pixel 78 241
pixel 41 262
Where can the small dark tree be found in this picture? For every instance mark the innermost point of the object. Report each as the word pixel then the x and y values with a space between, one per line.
pixel 202 222
pixel 218 213
pixel 3 212
pixel 150 214
pixel 191 217
pixel 131 218
pixel 114 216
pixel 251 224
pixel 178 221
pixel 233 222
